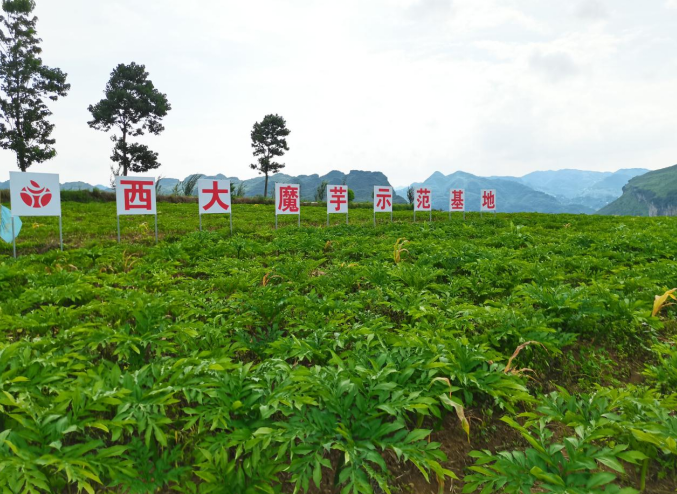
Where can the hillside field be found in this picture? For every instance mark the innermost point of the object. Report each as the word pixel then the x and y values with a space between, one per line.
pixel 508 353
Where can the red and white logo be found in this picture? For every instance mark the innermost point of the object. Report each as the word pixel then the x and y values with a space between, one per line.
pixel 457 200
pixel 135 195
pixel 287 199
pixel 337 199
pixel 35 194
pixel 383 199
pixel 213 196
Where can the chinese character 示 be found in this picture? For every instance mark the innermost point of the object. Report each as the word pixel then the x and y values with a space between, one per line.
pixel 423 199
pixel 383 197
pixel 216 196
pixel 289 199
pixel 488 199
pixel 138 196
pixel 457 200
pixel 338 196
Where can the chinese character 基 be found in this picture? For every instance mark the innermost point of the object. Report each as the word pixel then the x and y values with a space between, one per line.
pixel 338 197
pixel 289 199
pixel 457 199
pixel 140 191
pixel 216 196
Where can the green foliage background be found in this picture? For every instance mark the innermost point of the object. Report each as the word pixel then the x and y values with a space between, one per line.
pixel 309 359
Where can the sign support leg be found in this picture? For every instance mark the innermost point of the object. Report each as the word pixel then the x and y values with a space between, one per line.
pixel 391 216
pixel 231 223
pixel 118 229
pixel 346 218
pixel 276 222
pixel 156 228
pixel 327 219
pixel 431 215
pixel 299 221
pixel 200 215
pixel 13 237
pixel 60 234
pixel 463 215
pixel 374 218
pixel 414 216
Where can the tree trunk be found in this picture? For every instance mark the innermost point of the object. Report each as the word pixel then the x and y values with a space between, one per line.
pixel 265 187
pixel 124 152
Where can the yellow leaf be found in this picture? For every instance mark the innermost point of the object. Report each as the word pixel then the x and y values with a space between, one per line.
pixel 661 300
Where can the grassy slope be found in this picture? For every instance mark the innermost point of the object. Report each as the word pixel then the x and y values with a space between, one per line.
pixel 657 187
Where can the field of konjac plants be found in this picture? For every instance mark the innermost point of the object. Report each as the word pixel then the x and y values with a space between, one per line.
pixel 511 353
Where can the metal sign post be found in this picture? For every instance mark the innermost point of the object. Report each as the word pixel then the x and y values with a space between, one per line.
pixel 200 215
pixel 60 234
pixel 156 227
pixel 13 237
pixel 231 223
pixel 118 217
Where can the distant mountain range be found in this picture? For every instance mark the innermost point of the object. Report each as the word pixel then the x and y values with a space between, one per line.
pixel 652 194
pixel 560 191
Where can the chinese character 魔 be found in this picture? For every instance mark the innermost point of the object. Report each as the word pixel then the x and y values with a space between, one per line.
pixel 289 199
pixel 489 200
pixel 383 197
pixel 423 199
pixel 457 199
pixel 338 197
pixel 140 190
pixel 216 199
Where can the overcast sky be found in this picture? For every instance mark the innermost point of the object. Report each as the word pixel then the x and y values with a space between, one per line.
pixel 406 87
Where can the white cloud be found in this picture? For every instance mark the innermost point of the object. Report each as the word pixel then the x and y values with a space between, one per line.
pixel 591 10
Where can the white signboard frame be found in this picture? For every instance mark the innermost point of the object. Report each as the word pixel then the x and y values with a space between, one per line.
pixel 136 197
pixel 380 197
pixel 214 200
pixel 280 191
pixel 451 202
pixel 337 200
pixel 419 193
pixel 35 194
pixel 485 192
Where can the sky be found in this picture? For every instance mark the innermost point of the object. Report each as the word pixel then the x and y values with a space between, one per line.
pixel 406 87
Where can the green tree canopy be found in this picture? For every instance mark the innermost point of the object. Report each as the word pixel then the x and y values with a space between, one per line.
pixel 134 107
pixel 25 83
pixel 269 141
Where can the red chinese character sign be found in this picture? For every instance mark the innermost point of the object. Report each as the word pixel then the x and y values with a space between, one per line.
pixel 383 199
pixel 488 200
pixel 422 199
pixel 456 200
pixel 214 196
pixel 35 194
pixel 287 199
pixel 135 195
pixel 337 199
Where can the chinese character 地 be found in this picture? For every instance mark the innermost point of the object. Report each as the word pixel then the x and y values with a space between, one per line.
pixel 457 199
pixel 338 197
pixel 289 199
pixel 138 196
pixel 489 200
pixel 423 199
pixel 216 196
pixel 383 197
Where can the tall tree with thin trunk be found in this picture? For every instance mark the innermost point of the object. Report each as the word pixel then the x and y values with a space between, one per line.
pixel 25 83
pixel 134 107
pixel 269 141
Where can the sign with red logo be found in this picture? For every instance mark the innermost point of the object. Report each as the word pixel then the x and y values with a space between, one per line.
pixel 383 199
pixel 337 199
pixel 214 196
pixel 287 199
pixel 35 194
pixel 135 195
pixel 457 200
pixel 422 199
pixel 488 199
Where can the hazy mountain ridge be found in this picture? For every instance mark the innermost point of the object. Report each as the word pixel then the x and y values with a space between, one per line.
pixel 651 194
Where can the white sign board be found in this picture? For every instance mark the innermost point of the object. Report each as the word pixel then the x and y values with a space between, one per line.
pixel 213 196
pixel 383 199
pixel 287 199
pixel 488 199
pixel 457 200
pixel 135 195
pixel 422 199
pixel 337 199
pixel 35 194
